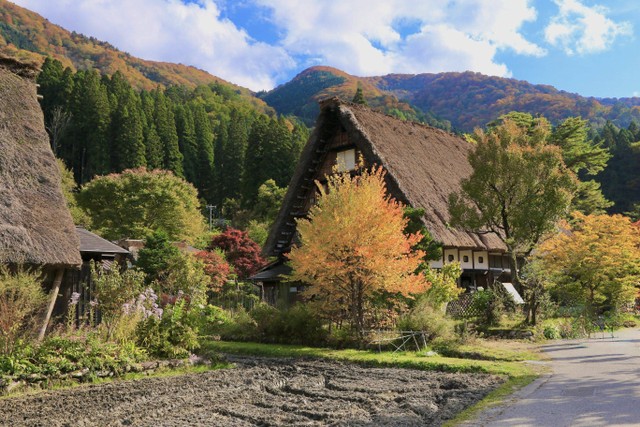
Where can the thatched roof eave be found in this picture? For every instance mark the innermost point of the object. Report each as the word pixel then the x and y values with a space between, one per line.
pixel 35 224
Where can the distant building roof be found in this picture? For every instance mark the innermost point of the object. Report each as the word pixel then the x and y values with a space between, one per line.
pixel 90 242
pixel 272 273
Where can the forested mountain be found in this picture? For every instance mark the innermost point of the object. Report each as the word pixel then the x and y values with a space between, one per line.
pixel 107 111
pixel 462 101
pixel 300 96
pixel 210 135
pixel 28 36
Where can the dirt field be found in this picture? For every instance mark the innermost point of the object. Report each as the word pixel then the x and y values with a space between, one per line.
pixel 260 392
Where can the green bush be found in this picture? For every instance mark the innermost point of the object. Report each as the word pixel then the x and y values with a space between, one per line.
pixel 113 289
pixel 343 338
pixel 21 297
pixel 212 320
pixel 302 326
pixel 551 332
pixel 58 355
pixel 488 304
pixel 264 323
pixel 173 335
pixel 424 317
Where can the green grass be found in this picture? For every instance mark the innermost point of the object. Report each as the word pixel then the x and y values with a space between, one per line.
pixel 509 363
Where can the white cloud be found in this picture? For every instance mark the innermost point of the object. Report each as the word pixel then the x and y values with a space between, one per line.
pixel 362 37
pixel 169 30
pixel 582 29
pixel 359 36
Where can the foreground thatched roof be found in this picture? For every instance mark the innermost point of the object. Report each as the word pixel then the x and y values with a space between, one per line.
pixel 424 165
pixel 35 224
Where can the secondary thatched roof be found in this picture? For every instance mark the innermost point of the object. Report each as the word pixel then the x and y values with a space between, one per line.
pixel 35 224
pixel 424 165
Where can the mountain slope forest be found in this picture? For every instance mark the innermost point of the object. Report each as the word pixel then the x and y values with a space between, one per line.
pixel 28 36
pixel 107 111
pixel 210 135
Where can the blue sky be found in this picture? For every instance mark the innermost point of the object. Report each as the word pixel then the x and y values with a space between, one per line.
pixel 590 47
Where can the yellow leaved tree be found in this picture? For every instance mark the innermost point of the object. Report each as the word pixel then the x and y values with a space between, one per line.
pixel 352 246
pixel 594 262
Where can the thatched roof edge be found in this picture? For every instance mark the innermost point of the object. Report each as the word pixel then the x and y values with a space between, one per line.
pixel 35 224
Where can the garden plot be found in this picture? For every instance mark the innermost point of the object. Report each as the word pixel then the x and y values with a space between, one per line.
pixel 261 391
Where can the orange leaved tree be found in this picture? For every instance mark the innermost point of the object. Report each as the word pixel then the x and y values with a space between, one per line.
pixel 352 246
pixel 595 262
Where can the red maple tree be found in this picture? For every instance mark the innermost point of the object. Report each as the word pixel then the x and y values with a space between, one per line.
pixel 240 251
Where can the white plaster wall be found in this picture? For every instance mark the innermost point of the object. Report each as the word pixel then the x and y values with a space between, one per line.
pixel 485 258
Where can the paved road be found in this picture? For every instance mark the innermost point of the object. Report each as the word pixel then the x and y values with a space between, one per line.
pixel 594 382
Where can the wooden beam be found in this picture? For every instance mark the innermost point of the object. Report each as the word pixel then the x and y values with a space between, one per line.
pixel 52 302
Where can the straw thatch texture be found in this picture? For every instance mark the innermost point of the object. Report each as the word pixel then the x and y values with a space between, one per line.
pixel 35 224
pixel 427 164
pixel 424 165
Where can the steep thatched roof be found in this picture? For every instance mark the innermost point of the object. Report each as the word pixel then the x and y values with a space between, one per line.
pixel 424 165
pixel 35 224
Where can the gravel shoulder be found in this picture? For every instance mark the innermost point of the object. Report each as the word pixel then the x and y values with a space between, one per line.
pixel 261 391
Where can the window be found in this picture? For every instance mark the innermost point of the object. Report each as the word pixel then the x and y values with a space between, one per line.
pixel 465 258
pixel 450 258
pixel 346 160
pixel 480 260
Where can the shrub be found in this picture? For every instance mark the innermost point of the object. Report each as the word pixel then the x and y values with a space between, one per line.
pixel 186 274
pixel 268 321
pixel 424 317
pixel 444 284
pixel 241 327
pixel 212 320
pixel 551 332
pixel 215 267
pixel 173 335
pixel 113 289
pixel 21 296
pixel 302 326
pixel 58 355
pixel 264 323
pixel 489 306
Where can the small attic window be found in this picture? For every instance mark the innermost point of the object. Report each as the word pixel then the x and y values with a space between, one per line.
pixel 450 258
pixel 465 258
pixel 346 160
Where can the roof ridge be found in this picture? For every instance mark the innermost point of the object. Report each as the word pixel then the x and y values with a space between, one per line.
pixel 337 101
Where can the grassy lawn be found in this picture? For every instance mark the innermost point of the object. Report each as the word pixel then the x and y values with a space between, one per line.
pixel 502 357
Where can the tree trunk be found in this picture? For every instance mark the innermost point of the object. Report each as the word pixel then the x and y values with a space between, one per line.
pixel 52 302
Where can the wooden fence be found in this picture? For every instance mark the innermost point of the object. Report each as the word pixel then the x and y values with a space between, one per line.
pixel 462 308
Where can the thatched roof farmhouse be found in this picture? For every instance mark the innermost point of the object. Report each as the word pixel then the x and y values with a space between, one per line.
pixel 36 228
pixel 424 165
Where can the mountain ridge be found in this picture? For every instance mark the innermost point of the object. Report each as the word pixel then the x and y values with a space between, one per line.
pixel 459 101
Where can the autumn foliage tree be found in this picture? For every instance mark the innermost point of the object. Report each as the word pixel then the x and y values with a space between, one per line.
pixel 518 189
pixel 594 262
pixel 216 267
pixel 240 251
pixel 352 246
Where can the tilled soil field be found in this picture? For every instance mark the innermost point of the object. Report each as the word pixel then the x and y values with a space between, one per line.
pixel 260 392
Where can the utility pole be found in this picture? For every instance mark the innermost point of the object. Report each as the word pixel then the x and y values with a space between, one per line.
pixel 211 208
